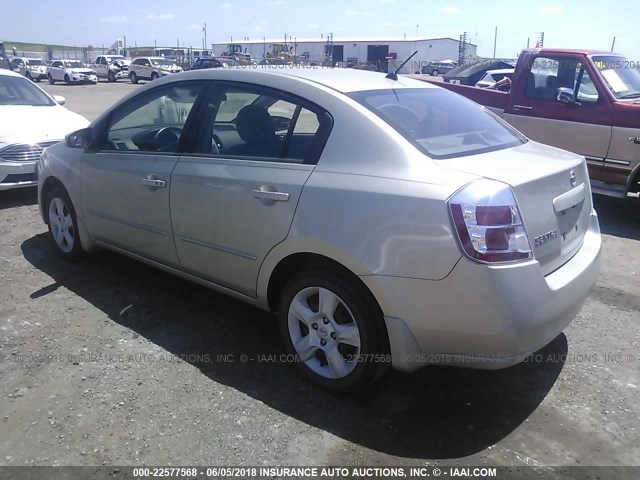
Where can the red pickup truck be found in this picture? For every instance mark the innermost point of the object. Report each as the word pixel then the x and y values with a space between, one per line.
pixel 584 101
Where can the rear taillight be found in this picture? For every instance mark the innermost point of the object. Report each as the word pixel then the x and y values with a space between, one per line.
pixel 488 224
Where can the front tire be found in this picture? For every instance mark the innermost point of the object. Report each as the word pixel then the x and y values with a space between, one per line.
pixel 133 77
pixel 154 76
pixel 63 224
pixel 435 73
pixel 111 77
pixel 67 80
pixel 29 76
pixel 51 80
pixel 335 331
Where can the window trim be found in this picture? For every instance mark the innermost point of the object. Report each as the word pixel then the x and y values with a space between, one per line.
pixel 321 136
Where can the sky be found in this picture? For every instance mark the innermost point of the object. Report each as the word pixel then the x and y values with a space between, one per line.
pixel 566 23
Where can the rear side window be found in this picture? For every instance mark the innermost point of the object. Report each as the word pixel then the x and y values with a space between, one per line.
pixel 247 121
pixel 440 123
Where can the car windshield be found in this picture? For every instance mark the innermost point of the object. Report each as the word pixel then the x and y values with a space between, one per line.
pixel 73 64
pixel 620 75
pixel 37 63
pixel 20 91
pixel 440 123
pixel 161 61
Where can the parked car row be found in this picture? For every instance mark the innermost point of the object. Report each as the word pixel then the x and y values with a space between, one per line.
pixel 357 206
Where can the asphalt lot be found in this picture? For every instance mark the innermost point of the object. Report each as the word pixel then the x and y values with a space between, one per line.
pixel 110 362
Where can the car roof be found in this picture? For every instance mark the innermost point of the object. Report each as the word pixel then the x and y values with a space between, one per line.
pixel 570 50
pixel 344 80
pixel 502 70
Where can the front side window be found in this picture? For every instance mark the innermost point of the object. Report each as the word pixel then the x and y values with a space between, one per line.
pixel 264 124
pixel 153 122
pixel 547 75
pixel 440 123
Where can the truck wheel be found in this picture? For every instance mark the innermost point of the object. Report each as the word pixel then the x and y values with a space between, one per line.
pixel 133 77
pixel 154 76
pixel 51 80
pixel 111 77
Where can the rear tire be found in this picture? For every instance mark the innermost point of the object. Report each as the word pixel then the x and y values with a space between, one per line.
pixel 63 224
pixel 133 77
pixel 334 330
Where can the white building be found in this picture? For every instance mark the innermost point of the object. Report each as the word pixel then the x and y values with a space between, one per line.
pixel 353 50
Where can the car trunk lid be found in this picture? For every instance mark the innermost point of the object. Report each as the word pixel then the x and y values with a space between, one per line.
pixel 553 193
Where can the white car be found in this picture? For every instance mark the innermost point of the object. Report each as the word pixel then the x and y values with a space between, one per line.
pixel 387 221
pixel 71 71
pixel 151 68
pixel 492 76
pixel 32 68
pixel 30 120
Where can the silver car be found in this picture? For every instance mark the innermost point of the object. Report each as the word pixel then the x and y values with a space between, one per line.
pixel 387 222
pixel 151 68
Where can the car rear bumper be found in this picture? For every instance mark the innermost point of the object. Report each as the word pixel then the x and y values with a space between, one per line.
pixel 17 174
pixel 481 316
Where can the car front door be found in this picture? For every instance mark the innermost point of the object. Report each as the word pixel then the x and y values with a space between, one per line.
pixel 127 176
pixel 583 127
pixel 233 199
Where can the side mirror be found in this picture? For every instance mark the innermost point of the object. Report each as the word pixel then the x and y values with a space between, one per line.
pixel 565 95
pixel 79 138
pixel 59 99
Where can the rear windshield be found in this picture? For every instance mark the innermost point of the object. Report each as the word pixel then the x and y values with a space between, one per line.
pixel 441 123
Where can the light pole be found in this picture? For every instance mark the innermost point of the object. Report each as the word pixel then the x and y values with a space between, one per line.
pixel 204 45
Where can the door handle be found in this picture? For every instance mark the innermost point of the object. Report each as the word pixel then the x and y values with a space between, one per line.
pixel 522 107
pixel 152 181
pixel 271 195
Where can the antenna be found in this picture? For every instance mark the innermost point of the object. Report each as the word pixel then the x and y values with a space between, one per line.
pixel 394 75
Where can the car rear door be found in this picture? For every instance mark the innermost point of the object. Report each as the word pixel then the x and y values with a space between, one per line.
pixel 583 127
pixel 233 199
pixel 127 176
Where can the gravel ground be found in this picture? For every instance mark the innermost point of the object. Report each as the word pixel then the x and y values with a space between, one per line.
pixel 110 362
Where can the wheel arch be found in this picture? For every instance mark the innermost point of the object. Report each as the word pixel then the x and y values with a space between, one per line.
pixel 50 182
pixel 47 185
pixel 291 264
